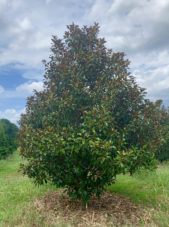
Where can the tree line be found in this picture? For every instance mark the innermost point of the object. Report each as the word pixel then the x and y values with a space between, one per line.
pixel 8 137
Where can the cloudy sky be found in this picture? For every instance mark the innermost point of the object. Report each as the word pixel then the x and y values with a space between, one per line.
pixel 140 28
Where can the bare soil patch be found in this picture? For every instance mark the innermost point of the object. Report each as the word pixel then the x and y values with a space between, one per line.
pixel 110 210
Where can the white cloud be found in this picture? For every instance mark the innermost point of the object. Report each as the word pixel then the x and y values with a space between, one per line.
pixel 33 75
pixel 27 29
pixel 48 1
pixel 23 90
pixel 29 87
pixel 156 80
pixel 11 114
pixel 20 25
pixel 139 23
pixel 2 3
pixel 1 89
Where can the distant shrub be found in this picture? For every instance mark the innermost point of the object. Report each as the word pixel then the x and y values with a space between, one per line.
pixel 162 153
pixel 8 137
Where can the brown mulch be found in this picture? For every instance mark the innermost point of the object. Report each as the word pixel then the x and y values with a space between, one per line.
pixel 110 210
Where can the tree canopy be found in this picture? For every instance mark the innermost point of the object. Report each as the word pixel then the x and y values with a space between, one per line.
pixel 91 121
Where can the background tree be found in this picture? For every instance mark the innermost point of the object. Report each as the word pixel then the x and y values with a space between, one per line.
pixel 90 122
pixel 8 137
pixel 162 153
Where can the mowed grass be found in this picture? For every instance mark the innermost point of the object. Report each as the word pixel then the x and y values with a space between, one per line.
pixel 17 194
pixel 150 188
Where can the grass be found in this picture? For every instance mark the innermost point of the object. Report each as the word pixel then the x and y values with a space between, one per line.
pixel 150 188
pixel 17 193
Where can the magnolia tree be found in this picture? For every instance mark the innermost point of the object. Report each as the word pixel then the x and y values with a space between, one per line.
pixel 91 121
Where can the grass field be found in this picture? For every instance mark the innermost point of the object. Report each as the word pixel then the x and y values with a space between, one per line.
pixel 151 189
pixel 16 193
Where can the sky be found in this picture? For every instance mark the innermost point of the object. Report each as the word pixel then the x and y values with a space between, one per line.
pixel 140 28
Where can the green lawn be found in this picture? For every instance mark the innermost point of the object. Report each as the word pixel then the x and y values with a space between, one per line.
pixel 17 192
pixel 148 188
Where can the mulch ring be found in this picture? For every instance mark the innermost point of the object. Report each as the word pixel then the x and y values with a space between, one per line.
pixel 110 210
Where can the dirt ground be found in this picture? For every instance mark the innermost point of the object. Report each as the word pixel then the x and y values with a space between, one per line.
pixel 110 210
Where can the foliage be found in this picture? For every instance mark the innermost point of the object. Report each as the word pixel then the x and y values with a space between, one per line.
pixel 162 153
pixel 92 120
pixel 8 137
